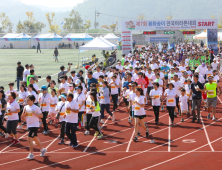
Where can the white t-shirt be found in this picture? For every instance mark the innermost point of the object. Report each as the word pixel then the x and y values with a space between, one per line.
pixel 182 69
pixel 71 117
pixel 74 79
pixel 216 78
pixel 160 83
pixel 183 102
pixel 97 74
pixel 25 74
pixel 149 77
pixel 95 113
pixel 62 112
pixel 156 93
pixel 120 67
pixel 8 92
pixel 36 87
pixel 186 87
pixel 208 73
pixel 45 100
pixel 138 109
pixel 80 98
pixel 53 103
pixel 31 119
pixel 34 94
pixel 171 97
pixel 132 97
pixel 22 96
pixel 177 85
pixel 65 86
pixel 214 65
pixel 114 89
pixel 13 107
pixel 88 102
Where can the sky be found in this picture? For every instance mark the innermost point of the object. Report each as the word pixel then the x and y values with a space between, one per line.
pixel 52 3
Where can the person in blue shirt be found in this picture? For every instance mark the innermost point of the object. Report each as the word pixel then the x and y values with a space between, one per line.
pixel 165 70
pixel 91 80
pixel 126 83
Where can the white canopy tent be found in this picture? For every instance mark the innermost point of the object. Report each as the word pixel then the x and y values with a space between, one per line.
pixel 11 40
pixel 112 38
pixel 201 36
pixel 47 41
pixel 98 43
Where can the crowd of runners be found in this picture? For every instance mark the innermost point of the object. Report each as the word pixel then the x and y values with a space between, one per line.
pixel 183 80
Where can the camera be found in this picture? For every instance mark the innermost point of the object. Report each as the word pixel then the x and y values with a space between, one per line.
pixel 69 63
pixel 39 76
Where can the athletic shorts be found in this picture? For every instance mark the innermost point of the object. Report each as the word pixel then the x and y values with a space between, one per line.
pixel 140 116
pixel 32 132
pixel 212 102
pixel 56 57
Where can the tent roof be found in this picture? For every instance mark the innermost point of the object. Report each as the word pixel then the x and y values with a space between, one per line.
pixel 78 37
pixel 111 36
pixel 21 35
pixel 98 43
pixel 53 35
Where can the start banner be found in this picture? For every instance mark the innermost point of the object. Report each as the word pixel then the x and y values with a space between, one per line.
pixel 169 24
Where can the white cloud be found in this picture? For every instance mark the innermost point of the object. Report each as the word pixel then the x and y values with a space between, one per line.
pixel 53 3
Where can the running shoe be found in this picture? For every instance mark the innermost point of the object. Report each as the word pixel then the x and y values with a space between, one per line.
pixel 19 127
pixel 113 118
pixel 6 135
pixel 86 132
pixel 96 134
pixel 24 123
pixel 77 128
pixel 147 134
pixel 70 144
pixel 139 134
pixel 193 120
pixel 1 134
pixel 130 121
pixel 56 125
pixel 43 151
pixel 182 120
pixel 100 136
pixel 61 142
pixel 50 121
pixel 102 121
pixel 175 114
pixel 75 146
pixel 213 118
pixel 198 120
pixel 171 122
pixel 135 139
pixel 12 141
pixel 16 142
pixel 208 116
pixel 45 132
pixel 30 156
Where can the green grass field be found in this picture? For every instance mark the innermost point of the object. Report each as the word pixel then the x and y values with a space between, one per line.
pixel 43 62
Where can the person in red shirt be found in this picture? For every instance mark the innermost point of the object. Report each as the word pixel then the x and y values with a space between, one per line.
pixel 140 80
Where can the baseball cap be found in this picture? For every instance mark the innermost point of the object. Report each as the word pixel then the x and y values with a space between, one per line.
pixel 137 62
pixel 62 96
pixel 77 81
pixel 44 88
pixel 62 77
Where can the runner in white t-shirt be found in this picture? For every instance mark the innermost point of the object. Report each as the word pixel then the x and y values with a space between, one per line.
pixel 31 115
pixel 183 103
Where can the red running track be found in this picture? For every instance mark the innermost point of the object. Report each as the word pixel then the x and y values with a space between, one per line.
pixel 184 145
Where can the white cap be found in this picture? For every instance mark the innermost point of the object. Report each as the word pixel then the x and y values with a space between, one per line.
pixel 164 63
pixel 137 62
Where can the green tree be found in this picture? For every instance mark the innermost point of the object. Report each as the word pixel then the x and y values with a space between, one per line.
pixel 87 25
pixel 53 28
pixel 6 24
pixel 19 27
pixel 74 22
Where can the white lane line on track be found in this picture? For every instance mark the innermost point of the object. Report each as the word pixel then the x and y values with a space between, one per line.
pixel 181 155
pixel 95 136
pixel 219 99
pixel 12 143
pixel 205 131
pixel 130 141
pixel 152 148
pixel 52 142
pixel 169 136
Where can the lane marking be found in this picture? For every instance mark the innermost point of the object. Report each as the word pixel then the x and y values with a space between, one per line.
pixel 219 99
pixel 181 155
pixel 95 136
pixel 130 141
pixel 189 141
pixel 169 136
pixel 52 142
pixel 205 131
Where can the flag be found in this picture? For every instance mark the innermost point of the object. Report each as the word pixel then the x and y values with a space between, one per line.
pixel 172 45
pixel 160 46
pixel 168 45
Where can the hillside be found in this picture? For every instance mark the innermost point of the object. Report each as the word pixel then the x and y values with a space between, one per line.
pixel 119 9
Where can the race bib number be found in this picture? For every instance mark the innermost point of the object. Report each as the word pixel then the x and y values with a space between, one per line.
pixel 21 100
pixel 156 96
pixel 87 105
pixel 62 114
pixel 52 105
pixel 9 114
pixel 127 96
pixel 0 106
pixel 139 86
pixel 43 105
pixel 170 100
pixel 68 111
pixel 215 81
pixel 113 87
pixel 188 95
pixel 137 108
pixel 79 105
pixel 210 92
pixel 102 97
pixel 197 64
pixel 29 114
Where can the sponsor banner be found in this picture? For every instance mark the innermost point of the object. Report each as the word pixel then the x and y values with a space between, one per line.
pixel 48 39
pixel 169 24
pixel 126 38
pixel 17 39
pixel 212 40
